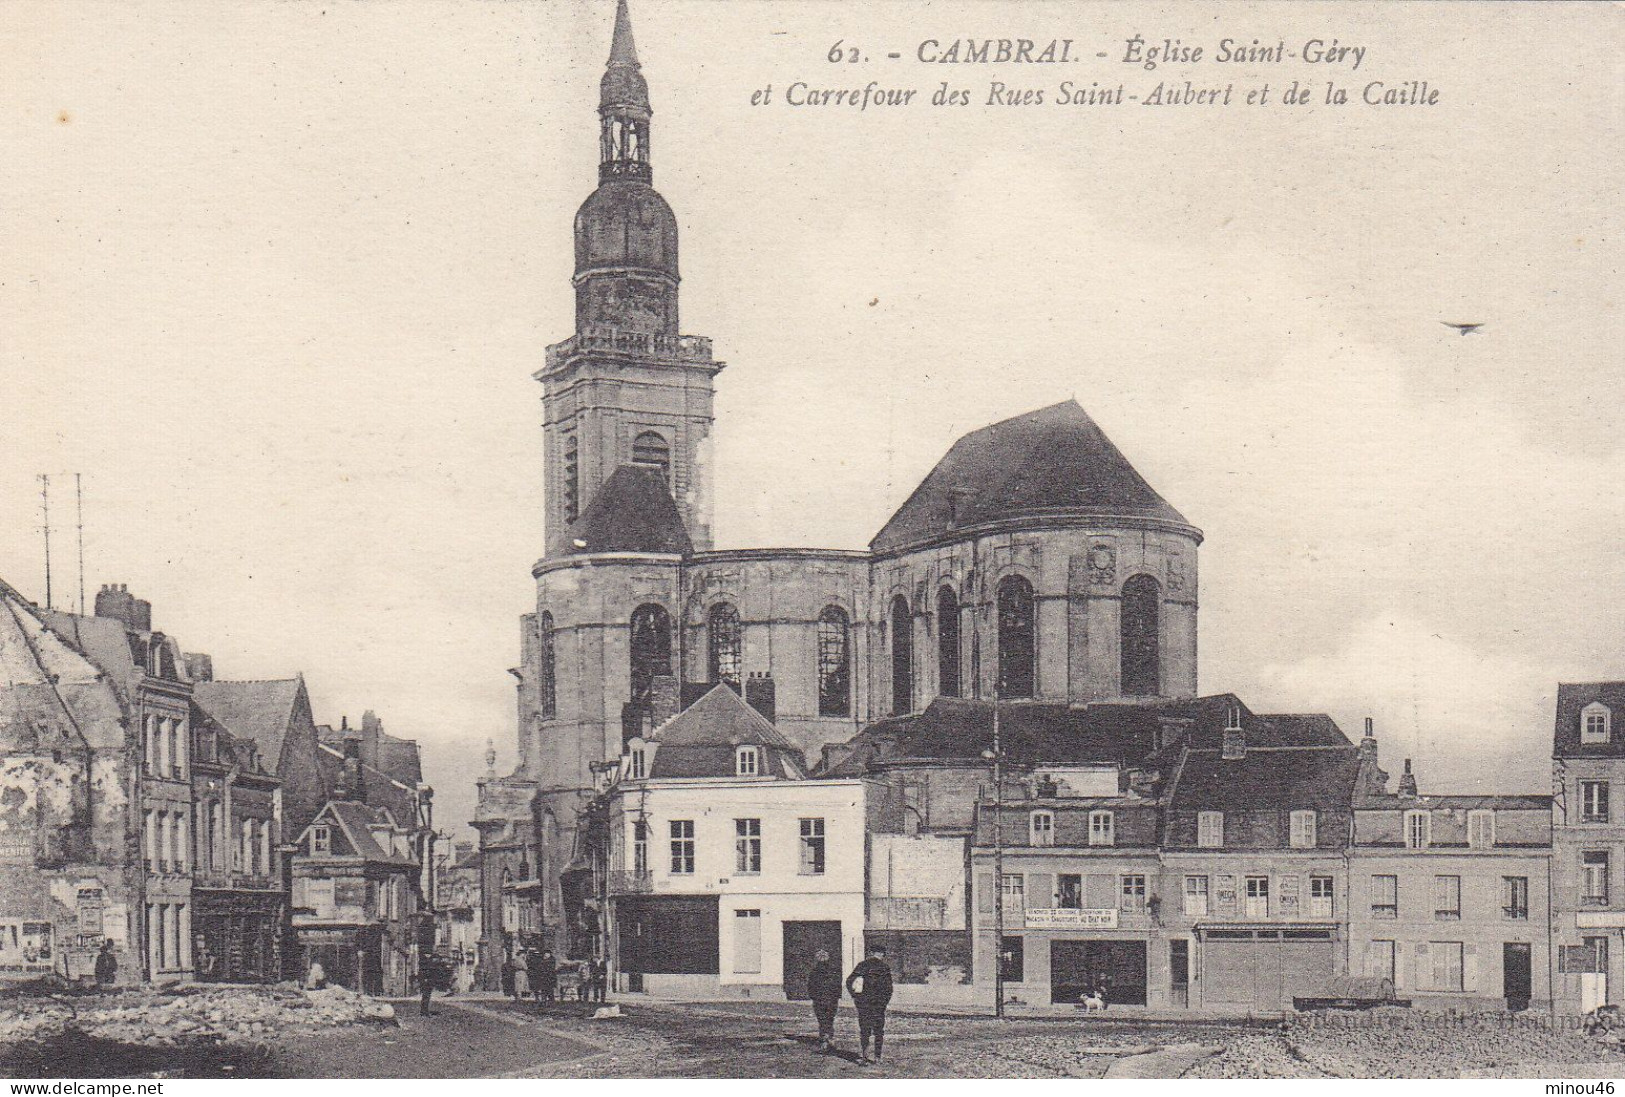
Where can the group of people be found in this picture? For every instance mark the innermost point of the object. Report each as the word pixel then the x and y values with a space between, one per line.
pixel 534 974
pixel 870 985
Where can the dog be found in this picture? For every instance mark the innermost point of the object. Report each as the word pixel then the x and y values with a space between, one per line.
pixel 1092 1003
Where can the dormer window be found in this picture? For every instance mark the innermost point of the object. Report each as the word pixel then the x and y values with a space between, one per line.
pixel 637 765
pixel 1594 723
pixel 1232 716
pixel 1102 828
pixel 321 841
pixel 1041 828
pixel 1418 830
pixel 747 762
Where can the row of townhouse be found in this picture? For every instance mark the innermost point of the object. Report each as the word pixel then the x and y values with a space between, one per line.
pixel 148 809
pixel 1183 854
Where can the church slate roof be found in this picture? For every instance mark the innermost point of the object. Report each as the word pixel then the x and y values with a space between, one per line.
pixel 632 512
pixel 700 740
pixel 1105 733
pixel 1048 462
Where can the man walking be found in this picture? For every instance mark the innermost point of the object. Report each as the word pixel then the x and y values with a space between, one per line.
pixel 870 984
pixel 824 988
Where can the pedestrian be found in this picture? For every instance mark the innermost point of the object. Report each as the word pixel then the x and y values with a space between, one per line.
pixel 599 977
pixel 870 986
pixel 533 974
pixel 824 988
pixel 425 982
pixel 549 973
pixel 521 975
pixel 106 965
pixel 507 976
pixel 316 976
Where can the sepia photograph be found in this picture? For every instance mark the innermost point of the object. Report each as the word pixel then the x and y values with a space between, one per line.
pixel 601 540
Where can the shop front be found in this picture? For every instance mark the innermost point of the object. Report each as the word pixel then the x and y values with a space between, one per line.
pixel 1263 967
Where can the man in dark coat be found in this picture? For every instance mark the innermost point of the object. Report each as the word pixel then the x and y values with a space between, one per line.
pixel 106 965
pixel 824 988
pixel 870 985
pixel 549 987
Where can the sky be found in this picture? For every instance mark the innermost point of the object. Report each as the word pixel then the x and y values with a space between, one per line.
pixel 275 277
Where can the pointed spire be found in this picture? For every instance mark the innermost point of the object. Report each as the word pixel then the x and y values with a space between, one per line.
pixel 623 51
pixel 623 85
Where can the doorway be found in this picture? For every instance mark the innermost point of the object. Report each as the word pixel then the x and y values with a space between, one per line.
pixel 1516 979
pixel 801 941
pixel 1077 967
pixel 1179 972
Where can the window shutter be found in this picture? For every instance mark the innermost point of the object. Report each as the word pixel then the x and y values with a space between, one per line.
pixel 1040 889
pixel 1424 969
pixel 1469 968
pixel 984 892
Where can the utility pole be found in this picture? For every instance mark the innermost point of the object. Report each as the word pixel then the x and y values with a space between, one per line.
pixel 997 757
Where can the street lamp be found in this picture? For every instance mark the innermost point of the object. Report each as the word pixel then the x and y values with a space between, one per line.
pixel 996 756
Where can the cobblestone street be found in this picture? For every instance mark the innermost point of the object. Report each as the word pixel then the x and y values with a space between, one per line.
pixel 731 1040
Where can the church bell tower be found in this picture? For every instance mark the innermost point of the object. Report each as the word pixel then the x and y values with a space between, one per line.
pixel 626 388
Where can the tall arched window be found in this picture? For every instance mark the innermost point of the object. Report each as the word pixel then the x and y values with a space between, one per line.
pixel 651 450
pixel 902 657
pixel 834 664
pixel 1141 643
pixel 548 683
pixel 947 642
pixel 1016 633
pixel 651 649
pixel 722 630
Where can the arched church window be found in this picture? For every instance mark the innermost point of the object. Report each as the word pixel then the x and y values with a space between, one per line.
pixel 947 642
pixel 651 649
pixel 834 664
pixel 650 450
pixel 1016 635
pixel 549 681
pixel 902 657
pixel 722 629
pixel 1141 642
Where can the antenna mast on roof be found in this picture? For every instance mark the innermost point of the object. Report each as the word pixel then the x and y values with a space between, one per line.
pixel 45 510
pixel 79 500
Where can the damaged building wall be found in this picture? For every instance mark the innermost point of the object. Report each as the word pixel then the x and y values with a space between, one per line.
pixel 67 835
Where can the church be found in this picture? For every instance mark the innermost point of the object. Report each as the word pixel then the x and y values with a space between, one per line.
pixel 1033 564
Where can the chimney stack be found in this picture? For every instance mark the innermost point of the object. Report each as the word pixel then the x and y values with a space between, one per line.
pixel 761 695
pixel 1407 781
pixel 114 601
pixel 1234 744
pixel 199 667
pixel 663 697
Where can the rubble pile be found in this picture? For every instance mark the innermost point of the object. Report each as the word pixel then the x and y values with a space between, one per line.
pixel 187 1016
pixel 1402 1043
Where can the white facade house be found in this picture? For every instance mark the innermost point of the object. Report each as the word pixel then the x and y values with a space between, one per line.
pixel 728 868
